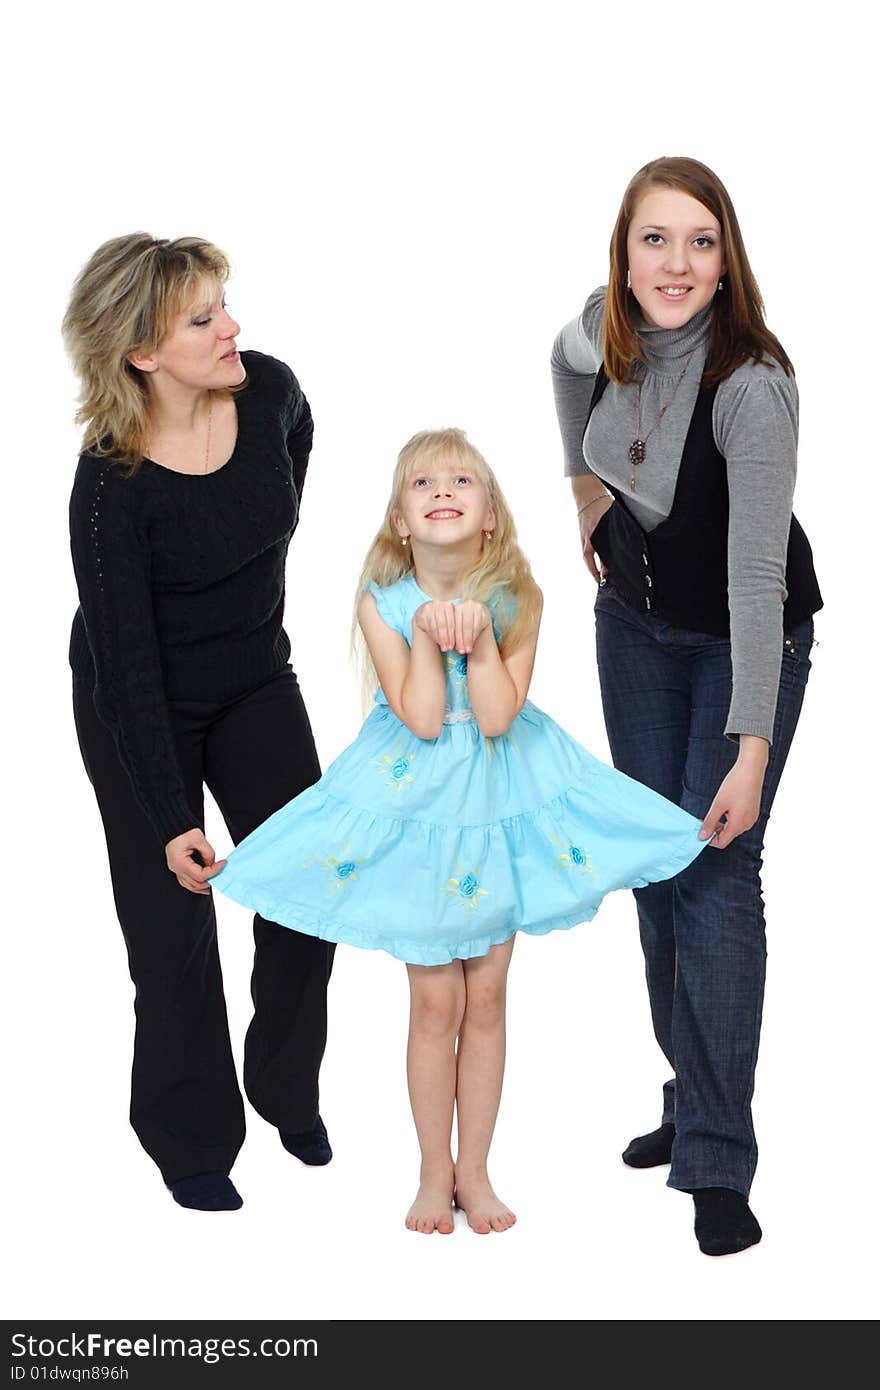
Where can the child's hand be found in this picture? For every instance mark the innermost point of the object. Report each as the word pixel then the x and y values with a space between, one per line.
pixel 453 625
pixel 437 619
pixel 471 618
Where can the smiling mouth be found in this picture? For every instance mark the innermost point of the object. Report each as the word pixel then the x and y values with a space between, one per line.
pixel 674 291
pixel 446 514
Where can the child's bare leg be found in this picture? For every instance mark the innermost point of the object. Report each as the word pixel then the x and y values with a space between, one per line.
pixel 437 997
pixel 480 1073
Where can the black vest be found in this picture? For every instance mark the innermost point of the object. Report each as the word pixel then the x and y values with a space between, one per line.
pixel 679 570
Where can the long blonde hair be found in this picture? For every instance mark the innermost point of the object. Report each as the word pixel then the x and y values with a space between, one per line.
pixel 501 563
pixel 126 297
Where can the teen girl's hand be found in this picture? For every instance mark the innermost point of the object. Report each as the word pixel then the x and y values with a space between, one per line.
pixel 738 798
pixel 588 519
pixel 188 872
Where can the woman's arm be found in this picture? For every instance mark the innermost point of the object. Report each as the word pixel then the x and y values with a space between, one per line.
pixel 111 563
pixel 413 679
pixel 574 362
pixel 498 686
pixel 756 429
pixel 300 435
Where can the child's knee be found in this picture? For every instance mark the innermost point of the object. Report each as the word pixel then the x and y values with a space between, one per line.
pixel 486 1001
pixel 437 1009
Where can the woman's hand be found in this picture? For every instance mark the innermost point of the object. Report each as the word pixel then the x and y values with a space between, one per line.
pixel 453 625
pixel 589 516
pixel 179 857
pixel 738 799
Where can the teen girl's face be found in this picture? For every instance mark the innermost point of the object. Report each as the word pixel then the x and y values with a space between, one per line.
pixel 675 256
pixel 199 350
pixel 444 504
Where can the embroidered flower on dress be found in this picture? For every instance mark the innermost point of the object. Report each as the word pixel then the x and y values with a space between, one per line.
pixel 341 870
pixel 466 889
pixel 395 767
pixel 456 666
pixel 574 859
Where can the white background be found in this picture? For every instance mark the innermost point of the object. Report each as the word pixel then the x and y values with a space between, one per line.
pixel 415 199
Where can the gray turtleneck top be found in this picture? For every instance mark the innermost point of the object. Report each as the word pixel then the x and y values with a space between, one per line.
pixel 755 421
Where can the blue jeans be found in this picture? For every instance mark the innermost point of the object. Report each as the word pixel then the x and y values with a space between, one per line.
pixel 666 695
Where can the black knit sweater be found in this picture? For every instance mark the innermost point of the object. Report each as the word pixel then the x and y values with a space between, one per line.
pixel 181 582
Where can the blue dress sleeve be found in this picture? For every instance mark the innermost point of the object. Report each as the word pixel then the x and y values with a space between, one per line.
pixel 389 609
pixel 502 606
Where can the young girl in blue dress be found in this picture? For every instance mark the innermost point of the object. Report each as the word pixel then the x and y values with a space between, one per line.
pixel 461 813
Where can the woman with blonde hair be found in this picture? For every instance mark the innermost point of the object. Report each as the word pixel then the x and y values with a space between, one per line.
pixel 460 815
pixel 186 495
pixel 679 410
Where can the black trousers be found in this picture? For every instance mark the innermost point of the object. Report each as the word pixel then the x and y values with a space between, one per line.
pixel 255 754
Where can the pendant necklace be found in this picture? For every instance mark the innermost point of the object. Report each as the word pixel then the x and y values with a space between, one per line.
pixel 637 448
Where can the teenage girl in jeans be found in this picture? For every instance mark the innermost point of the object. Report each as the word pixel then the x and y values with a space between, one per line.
pixel 678 411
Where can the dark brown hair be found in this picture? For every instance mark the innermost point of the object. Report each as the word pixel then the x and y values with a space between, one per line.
pixel 738 332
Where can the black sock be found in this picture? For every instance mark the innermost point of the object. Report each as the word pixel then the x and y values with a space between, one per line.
pixel 311 1147
pixel 723 1221
pixel 206 1192
pixel 650 1150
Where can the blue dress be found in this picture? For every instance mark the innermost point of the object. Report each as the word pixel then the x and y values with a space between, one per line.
pixel 437 849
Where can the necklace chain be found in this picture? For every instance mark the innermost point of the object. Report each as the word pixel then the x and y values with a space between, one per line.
pixel 208 443
pixel 637 448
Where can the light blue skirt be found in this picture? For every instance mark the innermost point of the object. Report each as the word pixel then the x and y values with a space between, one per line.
pixel 437 849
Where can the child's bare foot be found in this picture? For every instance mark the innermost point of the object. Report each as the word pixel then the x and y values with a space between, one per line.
pixel 485 1212
pixel 432 1209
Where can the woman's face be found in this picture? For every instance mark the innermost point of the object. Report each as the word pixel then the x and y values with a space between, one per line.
pixel 199 350
pixel 675 256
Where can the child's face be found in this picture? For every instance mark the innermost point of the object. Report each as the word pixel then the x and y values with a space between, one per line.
pixel 445 503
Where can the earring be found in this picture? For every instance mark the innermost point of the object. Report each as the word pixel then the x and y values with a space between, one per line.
pixel 720 286
pixel 488 535
pixel 629 283
pixel 403 540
